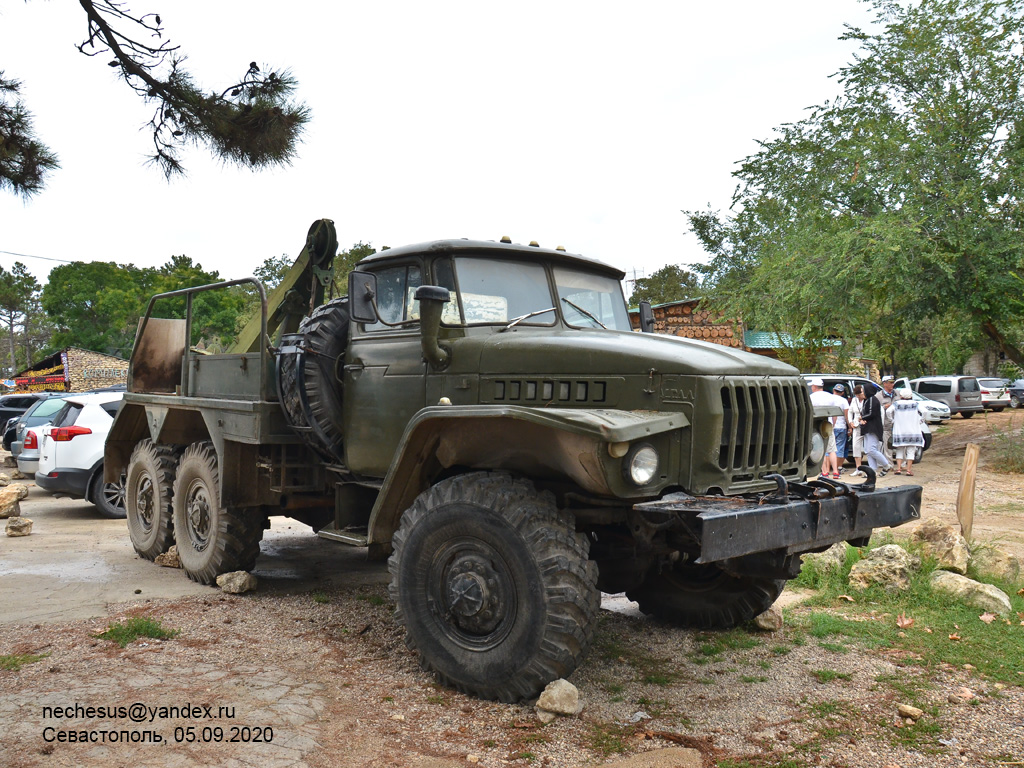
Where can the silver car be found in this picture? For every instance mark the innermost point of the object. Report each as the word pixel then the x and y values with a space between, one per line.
pixel 961 393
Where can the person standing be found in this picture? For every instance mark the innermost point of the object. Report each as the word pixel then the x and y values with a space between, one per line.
pixel 887 396
pixel 840 428
pixel 830 465
pixel 872 415
pixel 853 424
pixel 906 431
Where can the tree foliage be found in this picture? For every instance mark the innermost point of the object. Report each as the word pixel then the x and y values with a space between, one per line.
pixel 25 162
pixel 18 289
pixel 251 122
pixel 97 305
pixel 672 282
pixel 898 204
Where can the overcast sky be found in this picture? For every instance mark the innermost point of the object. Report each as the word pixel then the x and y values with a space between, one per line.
pixel 583 124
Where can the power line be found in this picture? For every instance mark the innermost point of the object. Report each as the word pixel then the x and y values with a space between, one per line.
pixel 30 256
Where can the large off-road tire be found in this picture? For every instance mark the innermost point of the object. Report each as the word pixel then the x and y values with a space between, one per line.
pixel 308 385
pixel 148 489
pixel 211 540
pixel 108 497
pixel 705 596
pixel 493 586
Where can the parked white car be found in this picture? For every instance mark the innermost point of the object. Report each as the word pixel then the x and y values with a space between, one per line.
pixel 932 411
pixel 71 452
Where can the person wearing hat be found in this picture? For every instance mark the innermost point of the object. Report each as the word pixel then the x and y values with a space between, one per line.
pixel 887 396
pixel 906 431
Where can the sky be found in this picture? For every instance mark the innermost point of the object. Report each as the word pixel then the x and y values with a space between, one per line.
pixel 590 125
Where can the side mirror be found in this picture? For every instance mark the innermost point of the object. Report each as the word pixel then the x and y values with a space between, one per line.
pixel 362 290
pixel 646 317
pixel 432 299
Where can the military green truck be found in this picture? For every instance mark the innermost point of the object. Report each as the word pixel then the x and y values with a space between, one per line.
pixel 482 414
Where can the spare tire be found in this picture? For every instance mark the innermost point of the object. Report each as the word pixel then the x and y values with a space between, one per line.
pixel 307 377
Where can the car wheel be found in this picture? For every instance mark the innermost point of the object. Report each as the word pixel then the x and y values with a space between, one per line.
pixel 211 539
pixel 493 585
pixel 1014 401
pixel 997 410
pixel 967 414
pixel 108 497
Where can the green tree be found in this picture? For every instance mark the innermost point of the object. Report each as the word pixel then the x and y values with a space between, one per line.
pixel 251 122
pixel 17 289
pixel 215 313
pixel 898 202
pixel 672 282
pixel 96 305
pixel 24 160
pixel 346 261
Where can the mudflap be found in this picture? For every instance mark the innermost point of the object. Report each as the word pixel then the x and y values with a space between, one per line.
pixel 796 518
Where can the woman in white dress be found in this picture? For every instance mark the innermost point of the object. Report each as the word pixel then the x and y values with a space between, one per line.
pixel 906 431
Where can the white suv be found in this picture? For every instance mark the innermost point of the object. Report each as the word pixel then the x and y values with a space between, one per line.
pixel 71 452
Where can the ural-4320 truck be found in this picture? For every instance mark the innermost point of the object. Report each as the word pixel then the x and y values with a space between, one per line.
pixel 482 414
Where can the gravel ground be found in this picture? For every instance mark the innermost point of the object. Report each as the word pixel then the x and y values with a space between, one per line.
pixel 337 686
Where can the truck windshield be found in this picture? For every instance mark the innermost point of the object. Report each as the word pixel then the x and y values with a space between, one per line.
pixel 591 301
pixel 500 291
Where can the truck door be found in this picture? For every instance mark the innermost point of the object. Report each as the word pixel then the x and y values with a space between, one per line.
pixel 384 373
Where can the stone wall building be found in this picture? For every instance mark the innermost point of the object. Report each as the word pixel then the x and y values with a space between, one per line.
pixel 685 318
pixel 73 370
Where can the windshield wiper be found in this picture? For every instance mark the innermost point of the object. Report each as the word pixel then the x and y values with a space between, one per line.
pixel 517 320
pixel 583 311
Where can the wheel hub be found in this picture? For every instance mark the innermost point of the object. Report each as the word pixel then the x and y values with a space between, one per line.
pixel 144 502
pixel 198 516
pixel 474 595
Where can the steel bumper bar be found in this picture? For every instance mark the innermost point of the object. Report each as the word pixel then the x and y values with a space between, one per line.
pixel 797 518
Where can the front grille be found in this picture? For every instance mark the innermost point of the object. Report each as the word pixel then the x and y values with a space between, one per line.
pixel 765 426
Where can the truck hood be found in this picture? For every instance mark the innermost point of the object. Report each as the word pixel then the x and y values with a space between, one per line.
pixel 599 352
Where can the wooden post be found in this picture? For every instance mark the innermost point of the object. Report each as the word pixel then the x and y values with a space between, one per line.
pixel 965 493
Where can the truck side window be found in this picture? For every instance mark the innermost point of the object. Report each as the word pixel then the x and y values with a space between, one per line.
pixel 396 291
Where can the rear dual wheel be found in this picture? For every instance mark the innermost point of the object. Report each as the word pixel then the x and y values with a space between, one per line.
pixel 148 489
pixel 211 539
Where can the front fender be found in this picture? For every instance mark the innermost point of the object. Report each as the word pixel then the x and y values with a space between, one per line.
pixel 551 443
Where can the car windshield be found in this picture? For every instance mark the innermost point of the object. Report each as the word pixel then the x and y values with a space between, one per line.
pixel 498 292
pixel 591 301
pixel 991 383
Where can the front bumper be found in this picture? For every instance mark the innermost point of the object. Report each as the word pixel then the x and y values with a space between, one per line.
pixel 796 518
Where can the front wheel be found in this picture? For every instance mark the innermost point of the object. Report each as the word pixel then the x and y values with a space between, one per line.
pixel 211 539
pixel 493 586
pixel 705 596
pixel 1014 401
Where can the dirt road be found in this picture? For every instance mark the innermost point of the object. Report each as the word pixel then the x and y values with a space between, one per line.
pixel 315 656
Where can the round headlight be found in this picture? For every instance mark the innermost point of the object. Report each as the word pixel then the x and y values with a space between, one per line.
pixel 817 449
pixel 642 464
